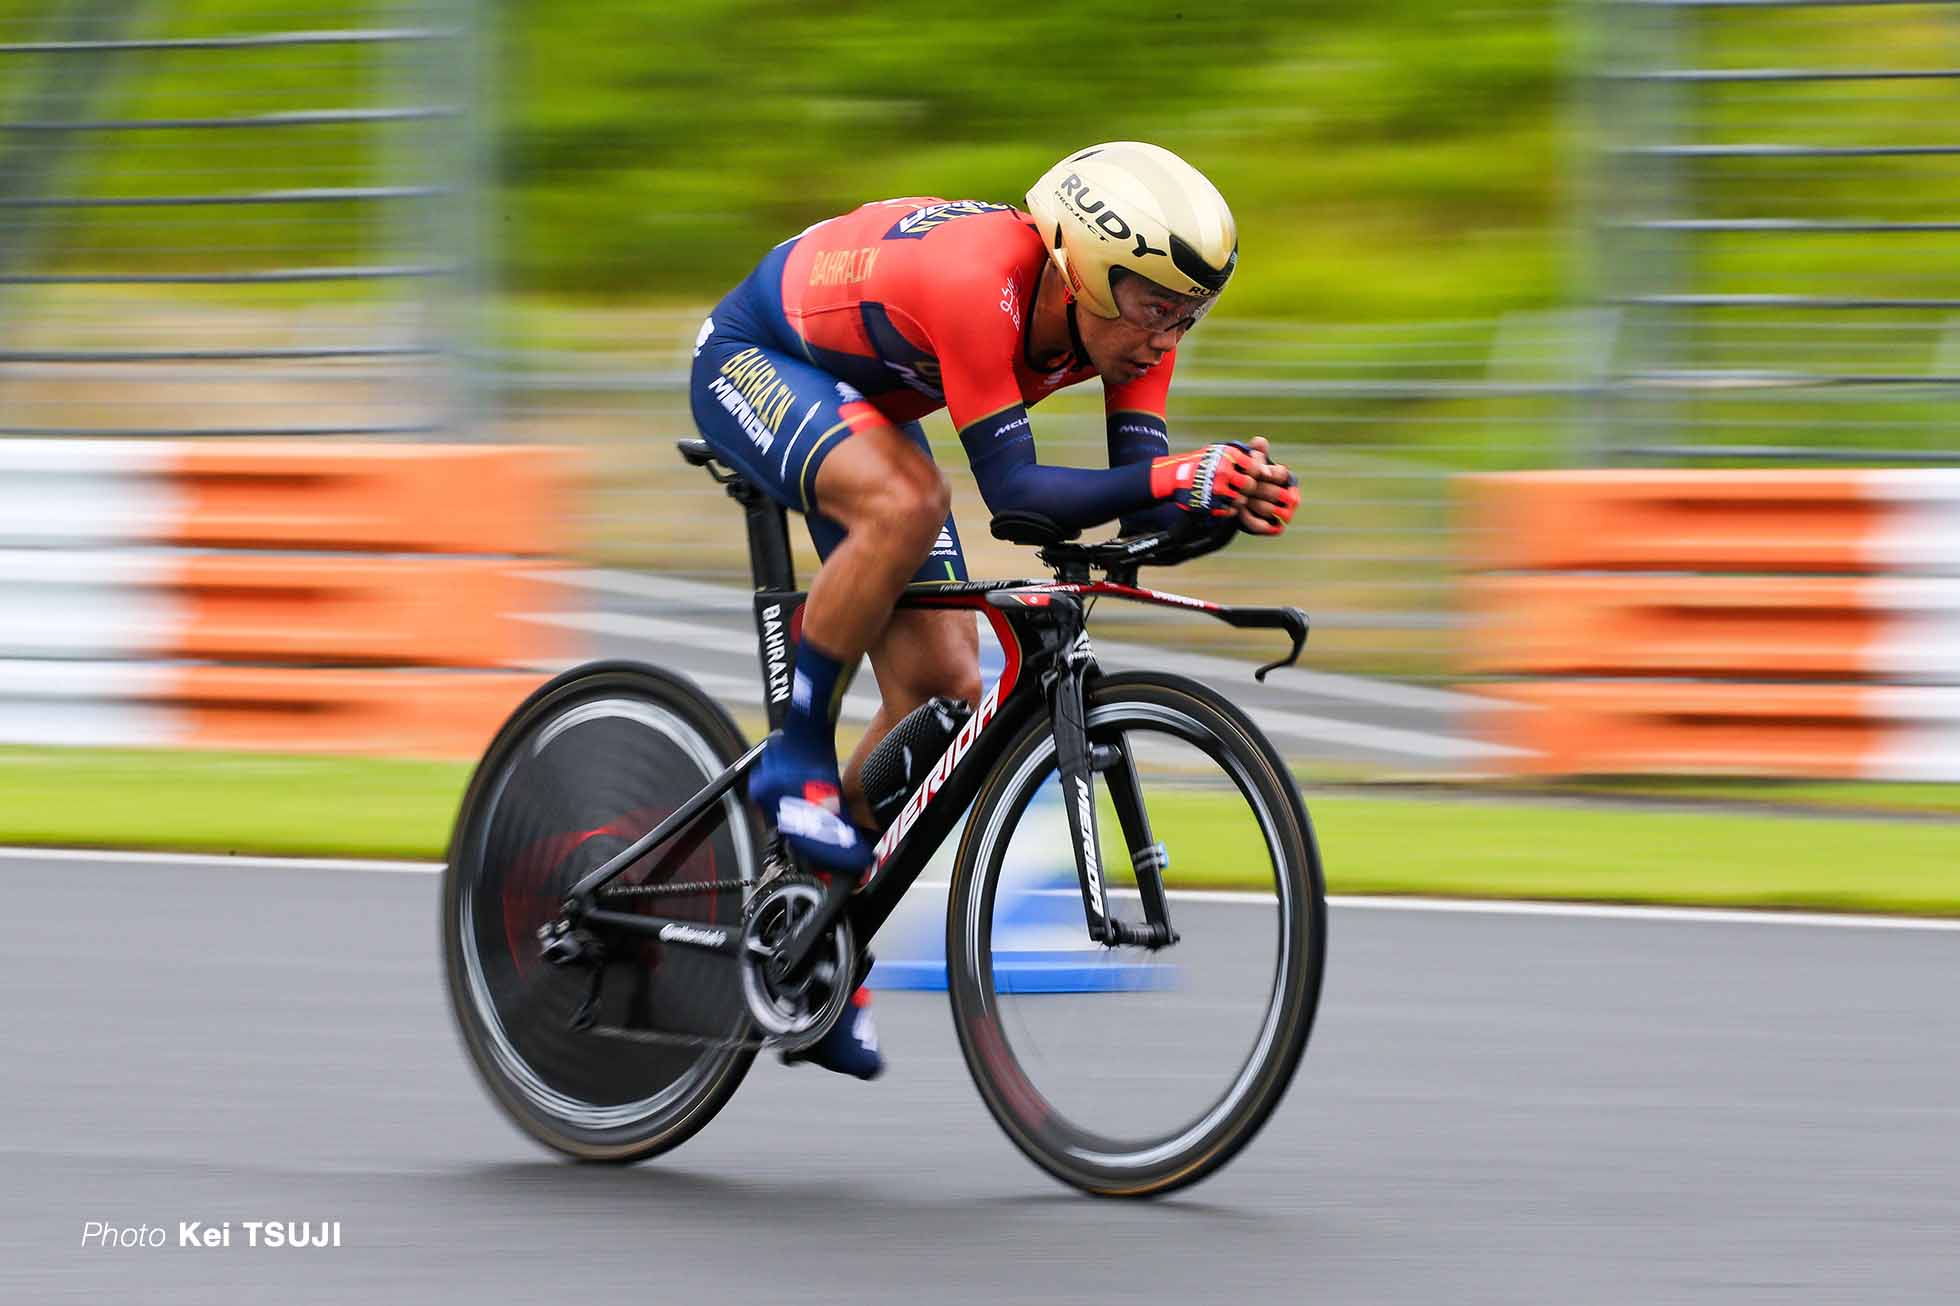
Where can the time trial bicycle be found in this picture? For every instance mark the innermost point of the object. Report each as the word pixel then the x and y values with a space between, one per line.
pixel 623 932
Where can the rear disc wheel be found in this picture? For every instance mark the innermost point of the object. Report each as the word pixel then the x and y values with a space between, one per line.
pixel 591 762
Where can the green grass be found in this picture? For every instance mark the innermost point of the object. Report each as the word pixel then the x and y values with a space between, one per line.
pixel 1520 849
pixel 366 807
pixel 1836 796
pixel 228 802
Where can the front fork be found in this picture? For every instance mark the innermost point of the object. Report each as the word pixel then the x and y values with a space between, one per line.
pixel 1077 762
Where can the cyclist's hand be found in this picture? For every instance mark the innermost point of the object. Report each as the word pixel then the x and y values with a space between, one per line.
pixel 1269 504
pixel 1214 481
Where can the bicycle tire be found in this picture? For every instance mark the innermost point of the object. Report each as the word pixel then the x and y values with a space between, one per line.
pixel 1072 1153
pixel 593 746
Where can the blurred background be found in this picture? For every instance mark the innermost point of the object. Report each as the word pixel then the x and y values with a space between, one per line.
pixel 1591 235
pixel 342 356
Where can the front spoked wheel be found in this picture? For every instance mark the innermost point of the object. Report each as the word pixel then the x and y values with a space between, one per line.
pixel 628 1052
pixel 1128 1071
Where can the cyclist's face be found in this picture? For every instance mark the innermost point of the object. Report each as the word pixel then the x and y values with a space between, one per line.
pixel 1153 321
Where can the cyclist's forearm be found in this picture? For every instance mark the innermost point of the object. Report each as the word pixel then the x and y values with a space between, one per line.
pixel 1070 496
pixel 1001 450
pixel 1138 438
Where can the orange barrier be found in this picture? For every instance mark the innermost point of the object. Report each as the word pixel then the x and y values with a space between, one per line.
pixel 1605 727
pixel 154 634
pixel 1671 521
pixel 1675 625
pixel 415 713
pixel 1840 674
pixel 423 498
pixel 425 611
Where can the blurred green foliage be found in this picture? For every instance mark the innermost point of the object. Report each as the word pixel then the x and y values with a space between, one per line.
pixel 1398 160
pixel 1389 161
pixel 1393 160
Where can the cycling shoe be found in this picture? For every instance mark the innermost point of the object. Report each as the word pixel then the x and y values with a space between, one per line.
pixel 851 1046
pixel 808 807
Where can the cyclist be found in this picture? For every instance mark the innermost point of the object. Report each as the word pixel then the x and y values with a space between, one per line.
pixel 810 377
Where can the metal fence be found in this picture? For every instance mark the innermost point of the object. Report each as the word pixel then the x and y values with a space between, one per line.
pixel 1772 204
pixel 144 290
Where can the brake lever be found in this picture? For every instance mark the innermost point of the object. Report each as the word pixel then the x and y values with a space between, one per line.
pixel 1291 620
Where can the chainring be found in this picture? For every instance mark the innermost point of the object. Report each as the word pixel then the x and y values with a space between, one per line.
pixel 797 1012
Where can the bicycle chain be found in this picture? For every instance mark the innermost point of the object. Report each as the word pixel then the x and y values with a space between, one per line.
pixel 773 866
pixel 673 890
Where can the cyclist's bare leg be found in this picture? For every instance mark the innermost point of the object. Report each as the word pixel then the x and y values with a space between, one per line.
pixel 921 653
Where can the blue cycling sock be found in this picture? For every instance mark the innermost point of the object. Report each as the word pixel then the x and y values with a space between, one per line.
pixel 815 697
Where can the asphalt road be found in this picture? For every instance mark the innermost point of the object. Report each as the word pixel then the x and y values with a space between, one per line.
pixel 1495 1108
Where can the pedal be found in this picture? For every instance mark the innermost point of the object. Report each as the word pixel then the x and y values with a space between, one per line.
pixel 1151 857
pixel 1104 756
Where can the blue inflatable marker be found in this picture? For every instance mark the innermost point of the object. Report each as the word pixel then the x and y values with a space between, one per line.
pixel 1041 941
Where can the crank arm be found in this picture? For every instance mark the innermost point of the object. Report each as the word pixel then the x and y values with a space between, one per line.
pixel 797 948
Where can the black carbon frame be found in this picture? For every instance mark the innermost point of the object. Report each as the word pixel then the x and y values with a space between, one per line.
pixel 1051 664
pixel 1042 634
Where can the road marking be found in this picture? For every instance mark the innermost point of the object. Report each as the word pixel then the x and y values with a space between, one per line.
pixel 133 856
pixel 1630 912
pixel 691 593
pixel 858 705
pixel 1460 906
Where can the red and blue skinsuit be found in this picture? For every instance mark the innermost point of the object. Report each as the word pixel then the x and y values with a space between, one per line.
pixel 890 312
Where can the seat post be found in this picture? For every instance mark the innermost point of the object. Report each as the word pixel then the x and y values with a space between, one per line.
pixel 768 521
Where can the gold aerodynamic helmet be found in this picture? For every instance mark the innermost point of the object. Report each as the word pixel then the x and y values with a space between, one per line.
pixel 1132 208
